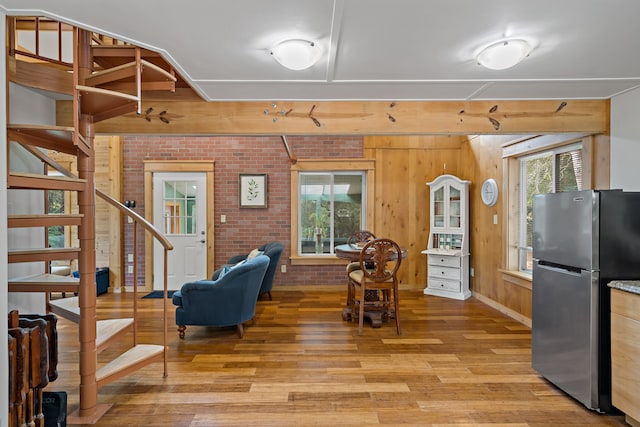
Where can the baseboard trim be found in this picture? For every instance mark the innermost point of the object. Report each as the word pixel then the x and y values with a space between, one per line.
pixel 502 309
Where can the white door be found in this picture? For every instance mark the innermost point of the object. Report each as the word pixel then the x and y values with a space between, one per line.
pixel 180 212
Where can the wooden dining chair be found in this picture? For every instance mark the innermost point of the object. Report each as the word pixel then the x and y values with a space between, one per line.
pixel 359 237
pixel 380 260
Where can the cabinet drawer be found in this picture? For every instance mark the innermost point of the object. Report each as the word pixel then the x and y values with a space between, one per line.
pixel 447 261
pixel 444 272
pixel 443 284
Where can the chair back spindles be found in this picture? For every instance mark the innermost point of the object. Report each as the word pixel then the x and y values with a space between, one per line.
pixel 360 236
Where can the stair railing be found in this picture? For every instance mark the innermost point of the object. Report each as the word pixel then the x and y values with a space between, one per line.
pixel 137 219
pixel 166 244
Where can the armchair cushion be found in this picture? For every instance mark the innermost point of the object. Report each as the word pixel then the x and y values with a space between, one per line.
pixel 254 253
pixel 229 300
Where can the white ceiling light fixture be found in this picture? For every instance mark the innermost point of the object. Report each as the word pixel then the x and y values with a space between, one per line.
pixel 296 54
pixel 504 54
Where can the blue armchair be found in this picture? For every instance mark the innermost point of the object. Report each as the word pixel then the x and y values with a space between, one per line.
pixel 273 250
pixel 229 299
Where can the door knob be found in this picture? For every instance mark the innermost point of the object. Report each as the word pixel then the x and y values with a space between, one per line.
pixel 203 241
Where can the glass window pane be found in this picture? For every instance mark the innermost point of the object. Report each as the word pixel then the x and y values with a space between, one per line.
pixel 539 180
pixel 314 213
pixel 454 207
pixel 330 209
pixel 569 171
pixel 180 207
pixel 438 207
pixel 169 192
pixel 55 205
pixel 347 206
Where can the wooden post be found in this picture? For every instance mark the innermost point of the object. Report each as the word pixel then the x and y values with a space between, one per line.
pixel 86 237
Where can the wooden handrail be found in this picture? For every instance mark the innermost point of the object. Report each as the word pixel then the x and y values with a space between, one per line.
pixel 137 219
pixel 146 224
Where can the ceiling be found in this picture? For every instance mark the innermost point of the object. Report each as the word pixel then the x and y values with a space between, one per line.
pixel 375 49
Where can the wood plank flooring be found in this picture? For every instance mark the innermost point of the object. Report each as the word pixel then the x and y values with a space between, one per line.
pixel 458 363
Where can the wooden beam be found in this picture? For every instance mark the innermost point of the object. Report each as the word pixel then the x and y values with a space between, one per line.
pixel 356 117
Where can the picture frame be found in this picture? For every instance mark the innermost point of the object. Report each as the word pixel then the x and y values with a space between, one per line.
pixel 253 190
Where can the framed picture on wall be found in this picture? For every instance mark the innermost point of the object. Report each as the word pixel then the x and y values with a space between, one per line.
pixel 253 190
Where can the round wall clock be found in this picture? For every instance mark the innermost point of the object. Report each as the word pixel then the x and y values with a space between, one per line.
pixel 490 192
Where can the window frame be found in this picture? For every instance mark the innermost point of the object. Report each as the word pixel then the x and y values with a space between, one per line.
pixel 324 166
pixel 512 152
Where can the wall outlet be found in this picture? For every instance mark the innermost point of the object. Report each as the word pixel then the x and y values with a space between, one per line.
pixel 130 269
pixel 283 268
pixel 495 219
pixel 223 219
pixel 472 272
pixel 129 257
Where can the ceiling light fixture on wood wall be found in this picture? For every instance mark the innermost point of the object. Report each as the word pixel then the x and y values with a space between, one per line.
pixel 504 54
pixel 296 54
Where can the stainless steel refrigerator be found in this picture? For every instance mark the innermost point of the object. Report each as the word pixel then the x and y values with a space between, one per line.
pixel 581 241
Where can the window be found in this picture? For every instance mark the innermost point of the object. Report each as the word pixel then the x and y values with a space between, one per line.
pixel 331 209
pixel 179 207
pixel 55 205
pixel 551 171
pixel 330 200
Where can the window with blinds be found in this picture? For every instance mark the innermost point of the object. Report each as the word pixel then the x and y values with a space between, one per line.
pixel 552 171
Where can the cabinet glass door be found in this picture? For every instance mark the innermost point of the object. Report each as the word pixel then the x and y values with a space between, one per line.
pixel 454 207
pixel 438 207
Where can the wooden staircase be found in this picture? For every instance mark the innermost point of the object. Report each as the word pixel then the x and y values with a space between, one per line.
pixel 99 93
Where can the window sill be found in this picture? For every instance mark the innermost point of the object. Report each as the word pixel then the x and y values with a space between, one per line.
pixel 517 278
pixel 317 260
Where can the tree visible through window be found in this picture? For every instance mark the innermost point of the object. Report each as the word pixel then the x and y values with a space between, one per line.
pixel 549 172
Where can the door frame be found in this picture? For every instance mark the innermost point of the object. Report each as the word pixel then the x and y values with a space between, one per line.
pixel 154 166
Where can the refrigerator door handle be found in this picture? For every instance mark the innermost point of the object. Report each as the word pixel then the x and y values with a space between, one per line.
pixel 560 269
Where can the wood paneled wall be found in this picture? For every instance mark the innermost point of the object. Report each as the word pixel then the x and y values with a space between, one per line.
pixel 109 224
pixel 404 164
pixel 482 159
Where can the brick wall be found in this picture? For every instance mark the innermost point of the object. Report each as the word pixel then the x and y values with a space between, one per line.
pixel 245 229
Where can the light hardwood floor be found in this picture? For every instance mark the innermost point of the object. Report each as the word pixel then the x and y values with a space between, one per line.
pixel 458 363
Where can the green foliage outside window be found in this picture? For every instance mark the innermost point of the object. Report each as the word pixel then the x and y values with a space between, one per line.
pixel 55 234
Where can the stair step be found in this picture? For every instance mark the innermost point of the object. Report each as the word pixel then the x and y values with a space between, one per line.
pixel 133 359
pixel 67 308
pixel 122 77
pixel 43 254
pixel 110 329
pixel 35 181
pixel 43 220
pixel 104 104
pixel 44 283
pixel 58 138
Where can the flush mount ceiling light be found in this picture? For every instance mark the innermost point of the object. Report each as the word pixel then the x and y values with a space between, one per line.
pixel 296 54
pixel 504 54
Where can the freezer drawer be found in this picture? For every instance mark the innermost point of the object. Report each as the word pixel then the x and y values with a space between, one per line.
pixel 565 331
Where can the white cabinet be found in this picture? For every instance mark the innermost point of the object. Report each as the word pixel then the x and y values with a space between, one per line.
pixel 448 248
